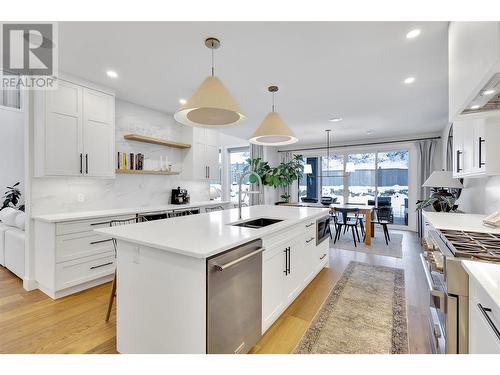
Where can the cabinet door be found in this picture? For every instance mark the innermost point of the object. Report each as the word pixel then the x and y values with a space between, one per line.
pixel 63 130
pixel 299 262
pixel 98 133
pixel 468 148
pixel 482 339
pixel 458 149
pixel 273 283
pixel 479 146
pixel 212 160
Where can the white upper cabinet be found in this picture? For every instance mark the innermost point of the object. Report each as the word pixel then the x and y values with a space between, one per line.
pixel 74 128
pixel 475 150
pixel 473 56
pixel 202 159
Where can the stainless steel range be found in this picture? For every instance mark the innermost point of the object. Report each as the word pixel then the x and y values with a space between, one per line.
pixel 449 283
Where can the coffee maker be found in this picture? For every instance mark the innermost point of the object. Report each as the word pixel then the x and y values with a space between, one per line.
pixel 179 196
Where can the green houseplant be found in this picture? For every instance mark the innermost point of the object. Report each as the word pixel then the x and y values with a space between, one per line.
pixel 281 176
pixel 11 197
pixel 446 203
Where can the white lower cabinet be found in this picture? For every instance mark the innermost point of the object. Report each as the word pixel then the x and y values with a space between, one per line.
pixel 484 321
pixel 289 263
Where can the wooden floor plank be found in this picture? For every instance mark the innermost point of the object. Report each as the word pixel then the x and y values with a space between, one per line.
pixel 31 322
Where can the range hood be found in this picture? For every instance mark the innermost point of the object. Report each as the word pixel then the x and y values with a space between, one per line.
pixel 488 98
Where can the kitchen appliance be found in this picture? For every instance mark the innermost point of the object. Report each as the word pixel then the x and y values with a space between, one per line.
pixel 322 229
pixel 449 283
pixel 179 196
pixel 488 98
pixel 234 299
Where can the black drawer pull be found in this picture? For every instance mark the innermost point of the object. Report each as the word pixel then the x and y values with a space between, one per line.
pixel 308 225
pixel 485 311
pixel 101 265
pixel 101 223
pixel 101 241
pixel 323 257
pixel 310 239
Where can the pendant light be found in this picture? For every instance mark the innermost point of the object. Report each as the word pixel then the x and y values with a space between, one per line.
pixel 273 131
pixel 211 105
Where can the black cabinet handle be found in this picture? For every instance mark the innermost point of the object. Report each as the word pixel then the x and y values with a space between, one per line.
pixel 101 223
pixel 289 261
pixel 308 225
pixel 286 261
pixel 87 163
pixel 485 311
pixel 458 160
pixel 101 265
pixel 323 257
pixel 101 241
pixel 309 240
pixel 81 163
pixel 481 140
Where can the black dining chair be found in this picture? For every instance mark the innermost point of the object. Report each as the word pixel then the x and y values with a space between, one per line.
pixel 349 219
pixel 384 217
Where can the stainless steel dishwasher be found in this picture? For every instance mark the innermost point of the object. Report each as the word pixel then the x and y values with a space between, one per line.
pixel 234 299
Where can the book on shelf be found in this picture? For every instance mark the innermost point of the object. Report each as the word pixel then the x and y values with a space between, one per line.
pixel 130 161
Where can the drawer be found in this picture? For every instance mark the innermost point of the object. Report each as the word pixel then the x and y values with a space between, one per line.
pixel 310 239
pixel 80 271
pixel 86 225
pixel 310 226
pixel 80 245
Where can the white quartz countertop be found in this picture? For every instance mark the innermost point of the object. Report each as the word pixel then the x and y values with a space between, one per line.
pixel 72 216
pixel 487 275
pixel 455 221
pixel 207 234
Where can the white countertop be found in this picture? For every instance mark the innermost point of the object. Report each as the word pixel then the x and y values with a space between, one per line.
pixel 487 275
pixel 455 221
pixel 72 216
pixel 207 234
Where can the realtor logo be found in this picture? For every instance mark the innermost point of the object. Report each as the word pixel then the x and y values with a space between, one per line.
pixel 29 50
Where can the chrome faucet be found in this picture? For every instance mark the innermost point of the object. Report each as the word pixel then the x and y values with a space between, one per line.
pixel 243 175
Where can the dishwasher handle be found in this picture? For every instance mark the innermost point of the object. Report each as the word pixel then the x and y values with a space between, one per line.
pixel 222 267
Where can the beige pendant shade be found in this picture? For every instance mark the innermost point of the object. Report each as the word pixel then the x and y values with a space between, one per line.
pixel 273 132
pixel 210 106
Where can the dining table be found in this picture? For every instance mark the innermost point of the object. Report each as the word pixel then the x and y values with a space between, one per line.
pixel 363 209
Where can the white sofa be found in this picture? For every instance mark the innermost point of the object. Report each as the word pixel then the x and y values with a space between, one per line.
pixel 3 228
pixel 14 251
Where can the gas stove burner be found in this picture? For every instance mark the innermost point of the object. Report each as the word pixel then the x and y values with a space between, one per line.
pixel 484 246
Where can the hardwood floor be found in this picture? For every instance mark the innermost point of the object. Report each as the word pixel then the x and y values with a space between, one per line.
pixel 31 322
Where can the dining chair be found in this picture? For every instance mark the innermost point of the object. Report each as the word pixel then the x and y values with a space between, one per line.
pixel 115 223
pixel 350 219
pixel 384 217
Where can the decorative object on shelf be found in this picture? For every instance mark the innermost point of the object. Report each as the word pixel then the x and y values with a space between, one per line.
pixel 155 141
pixel 273 131
pixel 11 197
pixel 131 161
pixel 281 176
pixel 443 197
pixel 211 105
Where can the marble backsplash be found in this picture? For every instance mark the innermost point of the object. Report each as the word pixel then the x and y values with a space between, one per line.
pixel 57 195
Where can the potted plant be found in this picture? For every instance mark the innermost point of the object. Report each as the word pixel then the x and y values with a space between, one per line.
pixel 12 196
pixel 281 176
pixel 443 203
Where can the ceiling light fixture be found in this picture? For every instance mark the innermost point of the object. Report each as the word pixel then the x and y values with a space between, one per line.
pixel 112 74
pixel 335 119
pixel 413 34
pixel 475 106
pixel 488 92
pixel 182 101
pixel 211 105
pixel 409 80
pixel 273 131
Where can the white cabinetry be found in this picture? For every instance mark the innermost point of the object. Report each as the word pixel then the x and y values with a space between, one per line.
pixel 484 321
pixel 202 160
pixel 473 57
pixel 475 150
pixel 74 129
pixel 289 263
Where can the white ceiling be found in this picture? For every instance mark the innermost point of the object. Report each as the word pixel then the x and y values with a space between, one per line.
pixel 324 69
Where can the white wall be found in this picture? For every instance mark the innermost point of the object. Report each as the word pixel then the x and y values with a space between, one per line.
pixel 11 149
pixel 53 195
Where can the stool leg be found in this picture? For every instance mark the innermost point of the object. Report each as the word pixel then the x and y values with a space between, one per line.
pixel 111 297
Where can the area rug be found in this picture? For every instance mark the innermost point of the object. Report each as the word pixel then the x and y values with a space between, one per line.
pixel 378 246
pixel 365 313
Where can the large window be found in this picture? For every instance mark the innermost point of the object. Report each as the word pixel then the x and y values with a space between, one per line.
pixel 361 171
pixel 237 163
pixel 332 179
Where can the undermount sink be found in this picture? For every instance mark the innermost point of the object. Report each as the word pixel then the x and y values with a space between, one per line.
pixel 257 223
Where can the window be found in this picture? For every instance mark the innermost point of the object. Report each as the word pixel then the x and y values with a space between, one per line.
pixel 308 184
pixel 332 180
pixel 237 163
pixel 361 180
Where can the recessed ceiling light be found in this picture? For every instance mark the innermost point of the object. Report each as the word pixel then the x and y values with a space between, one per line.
pixel 488 92
pixel 112 74
pixel 475 106
pixel 413 34
pixel 182 101
pixel 335 119
pixel 409 80
pixel 369 132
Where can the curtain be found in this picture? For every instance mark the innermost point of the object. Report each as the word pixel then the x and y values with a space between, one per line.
pixel 256 151
pixel 425 151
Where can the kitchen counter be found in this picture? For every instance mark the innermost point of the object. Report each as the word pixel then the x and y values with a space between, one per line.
pixel 455 221
pixel 205 235
pixel 487 275
pixel 72 216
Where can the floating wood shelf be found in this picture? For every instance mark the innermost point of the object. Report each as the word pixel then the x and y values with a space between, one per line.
pixel 130 171
pixel 155 141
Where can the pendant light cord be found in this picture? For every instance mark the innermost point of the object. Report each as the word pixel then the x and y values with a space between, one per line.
pixel 213 69
pixel 273 102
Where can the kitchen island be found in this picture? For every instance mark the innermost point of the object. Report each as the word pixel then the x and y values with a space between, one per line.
pixel 163 270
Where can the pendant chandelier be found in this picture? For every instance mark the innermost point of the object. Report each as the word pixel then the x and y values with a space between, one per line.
pixel 273 131
pixel 211 105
